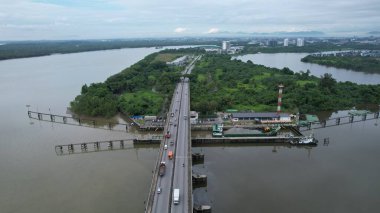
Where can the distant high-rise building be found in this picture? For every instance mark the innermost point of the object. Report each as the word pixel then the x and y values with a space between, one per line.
pixel 272 43
pixel 226 46
pixel 286 42
pixel 300 42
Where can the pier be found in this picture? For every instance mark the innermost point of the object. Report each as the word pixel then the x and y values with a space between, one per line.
pixel 339 121
pixel 88 147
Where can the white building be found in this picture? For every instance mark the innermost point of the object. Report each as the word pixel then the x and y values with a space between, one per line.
pixel 300 42
pixel 226 46
pixel 286 42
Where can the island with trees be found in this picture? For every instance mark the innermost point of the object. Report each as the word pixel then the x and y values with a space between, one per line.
pixel 355 63
pixel 218 83
pixel 144 88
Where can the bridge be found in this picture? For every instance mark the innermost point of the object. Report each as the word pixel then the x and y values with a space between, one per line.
pixel 177 140
pixel 178 168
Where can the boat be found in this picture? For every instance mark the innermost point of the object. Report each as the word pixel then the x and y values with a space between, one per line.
pixel 307 140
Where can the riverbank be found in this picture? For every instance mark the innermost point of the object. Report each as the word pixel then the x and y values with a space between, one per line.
pixel 308 48
pixel 28 49
pixel 219 83
pixel 145 88
pixel 355 63
pixel 294 63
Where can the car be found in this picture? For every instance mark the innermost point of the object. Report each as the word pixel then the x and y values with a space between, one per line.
pixel 165 147
pixel 171 143
pixel 159 190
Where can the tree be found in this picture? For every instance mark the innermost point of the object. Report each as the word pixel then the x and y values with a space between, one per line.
pixel 327 82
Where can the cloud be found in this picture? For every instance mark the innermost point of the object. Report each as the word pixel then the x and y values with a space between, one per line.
pixel 180 30
pixel 213 30
pixel 123 18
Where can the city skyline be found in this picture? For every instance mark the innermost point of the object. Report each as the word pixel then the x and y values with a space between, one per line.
pixel 102 19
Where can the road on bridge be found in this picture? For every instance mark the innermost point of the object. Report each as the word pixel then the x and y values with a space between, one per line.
pixel 178 169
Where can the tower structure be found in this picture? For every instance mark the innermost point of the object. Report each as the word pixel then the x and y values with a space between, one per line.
pixel 280 88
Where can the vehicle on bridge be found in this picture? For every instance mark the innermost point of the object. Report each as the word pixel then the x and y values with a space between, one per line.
pixel 170 154
pixel 168 135
pixel 162 168
pixel 176 196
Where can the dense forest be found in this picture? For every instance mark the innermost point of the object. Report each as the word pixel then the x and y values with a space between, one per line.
pixel 219 83
pixel 41 48
pixel 309 48
pixel 356 63
pixel 145 88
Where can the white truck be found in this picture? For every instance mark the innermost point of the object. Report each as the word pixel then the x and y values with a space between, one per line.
pixel 176 196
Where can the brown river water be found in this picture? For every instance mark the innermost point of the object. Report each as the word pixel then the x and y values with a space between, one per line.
pixel 341 177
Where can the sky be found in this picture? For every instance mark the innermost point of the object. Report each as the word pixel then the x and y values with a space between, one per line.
pixel 106 19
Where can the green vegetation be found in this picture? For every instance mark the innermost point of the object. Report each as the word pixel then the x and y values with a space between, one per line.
pixel 141 103
pixel 167 57
pixel 41 48
pixel 356 63
pixel 144 88
pixel 310 48
pixel 219 83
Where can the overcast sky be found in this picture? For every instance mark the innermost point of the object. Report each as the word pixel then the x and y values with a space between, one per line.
pixel 86 19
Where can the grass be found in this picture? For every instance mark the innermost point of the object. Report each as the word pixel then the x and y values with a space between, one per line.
pixel 303 82
pixel 201 78
pixel 167 57
pixel 261 77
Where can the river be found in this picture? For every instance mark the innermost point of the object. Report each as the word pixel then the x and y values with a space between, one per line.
pixel 293 62
pixel 340 177
pixel 33 178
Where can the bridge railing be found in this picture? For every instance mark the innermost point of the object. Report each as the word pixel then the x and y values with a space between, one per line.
pixel 339 121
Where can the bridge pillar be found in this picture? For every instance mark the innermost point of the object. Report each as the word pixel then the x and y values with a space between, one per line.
pixel 96 145
pixel 83 146
pixel 52 118
pixel 337 121
pixel 70 147
pixel 323 124
pixel 39 115
pixel 351 119
pixel 110 145
pixel 326 141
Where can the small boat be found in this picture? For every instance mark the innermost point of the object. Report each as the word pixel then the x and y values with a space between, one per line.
pixel 307 140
